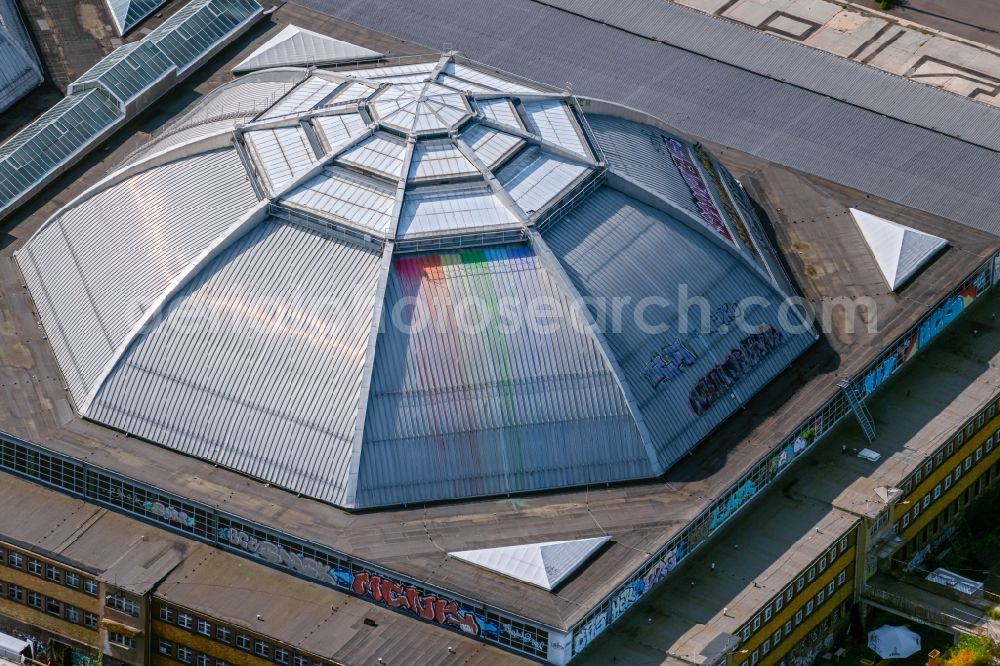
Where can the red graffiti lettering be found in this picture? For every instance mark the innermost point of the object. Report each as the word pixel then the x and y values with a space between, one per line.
pixel 427 607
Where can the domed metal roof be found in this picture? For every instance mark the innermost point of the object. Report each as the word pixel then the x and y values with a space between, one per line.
pixel 385 285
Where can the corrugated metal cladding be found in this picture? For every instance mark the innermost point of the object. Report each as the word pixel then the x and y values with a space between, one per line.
pixel 96 268
pixel 640 152
pixel 452 208
pixel 535 178
pixel 257 363
pixel 298 46
pixel 305 96
pixel 19 70
pixel 723 100
pixel 284 153
pixel 338 130
pixel 491 81
pixel 246 96
pixel 471 398
pixel 553 121
pixel 622 254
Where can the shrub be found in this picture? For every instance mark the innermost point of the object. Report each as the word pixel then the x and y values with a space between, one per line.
pixel 885 4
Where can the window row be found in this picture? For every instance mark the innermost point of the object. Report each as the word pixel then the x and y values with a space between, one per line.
pixel 946 451
pixel 34 566
pixel 227 636
pixel 919 505
pixel 53 607
pixel 781 633
pixel 790 592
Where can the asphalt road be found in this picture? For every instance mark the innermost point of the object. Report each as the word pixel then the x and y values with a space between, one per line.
pixel 978 20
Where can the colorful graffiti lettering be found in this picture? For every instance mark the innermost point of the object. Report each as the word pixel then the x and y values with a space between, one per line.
pixel 586 634
pixel 523 636
pixel 721 513
pixel 427 606
pixel 724 198
pixel 168 513
pixel 669 363
pixel 925 333
pixel 709 213
pixel 273 553
pixel 628 595
pixel 716 383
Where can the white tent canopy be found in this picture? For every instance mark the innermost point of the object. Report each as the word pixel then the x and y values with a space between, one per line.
pixel 891 642
pixel 298 46
pixel 12 648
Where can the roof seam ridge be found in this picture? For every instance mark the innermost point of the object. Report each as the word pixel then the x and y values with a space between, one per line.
pixel 192 270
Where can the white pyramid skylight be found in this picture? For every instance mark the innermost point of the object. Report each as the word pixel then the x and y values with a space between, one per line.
pixel 544 565
pixel 298 46
pixel 899 251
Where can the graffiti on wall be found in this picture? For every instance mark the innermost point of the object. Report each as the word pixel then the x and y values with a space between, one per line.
pixel 159 509
pixel 727 203
pixel 406 597
pixel 921 555
pixel 628 595
pixel 677 355
pixel 274 553
pixel 682 160
pixel 716 383
pixel 732 505
pixel 936 322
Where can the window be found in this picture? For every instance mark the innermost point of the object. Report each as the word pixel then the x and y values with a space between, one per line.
pixel 811 574
pixel 220 662
pixel 261 648
pixel 203 660
pixel 184 654
pixel 15 592
pixel 122 604
pixel 916 510
pixel 928 467
pixel 916 477
pixel 969 429
pixel 958 472
pixel 166 614
pixel 90 620
pixel 939 458
pixel 223 634
pixel 788 593
pixel 927 501
pixel 756 623
pixel 203 627
pixel 72 580
pixel 34 567
pixel 34 599
pixel 778 603
pixel 746 633
pixel 90 587
pixel 989 445
pixel 281 655
pixel 73 614
pixel 822 565
pixel 980 420
pixel 754 658
pixel 165 648
pixel 937 491
pixel 184 620
pixel 906 520
pixel 1 554
pixel 53 607
pixel 798 584
pixel 950 449
pixel 788 627
pixel 242 642
pixel 798 618
pixel 299 660
pixel 967 463
pixel 767 614
pixel 53 574
pixel 776 637
pixel 121 640
pixel 765 647
pixel 820 597
pixel 843 544
pixel 947 482
pixel 979 454
pixel 908 486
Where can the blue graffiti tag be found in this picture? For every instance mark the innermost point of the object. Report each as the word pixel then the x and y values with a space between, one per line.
pixel 738 499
